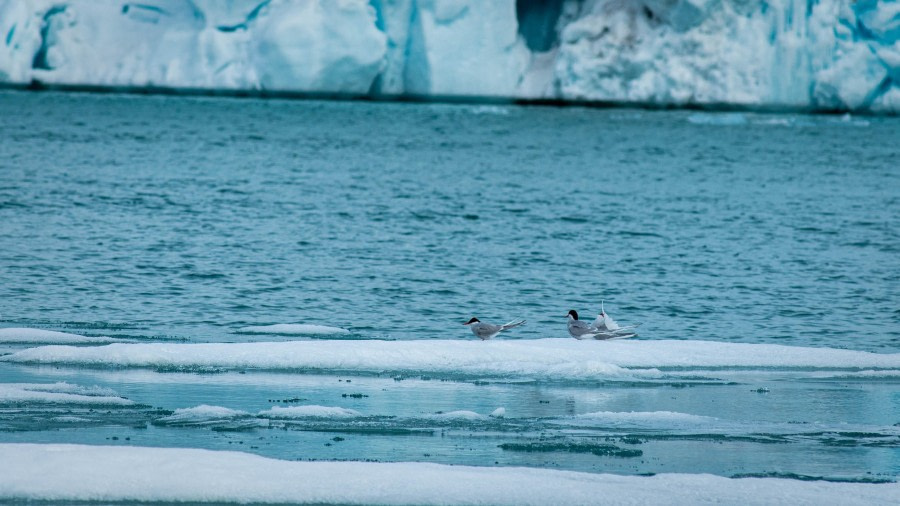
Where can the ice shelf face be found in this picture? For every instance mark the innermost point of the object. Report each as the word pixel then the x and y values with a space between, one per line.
pixel 826 54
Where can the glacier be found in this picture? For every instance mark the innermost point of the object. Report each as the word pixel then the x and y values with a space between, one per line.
pixel 801 54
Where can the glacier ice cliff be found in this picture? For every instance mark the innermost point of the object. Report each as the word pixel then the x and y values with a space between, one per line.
pixel 816 54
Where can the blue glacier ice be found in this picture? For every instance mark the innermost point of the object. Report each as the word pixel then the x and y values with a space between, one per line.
pixel 818 54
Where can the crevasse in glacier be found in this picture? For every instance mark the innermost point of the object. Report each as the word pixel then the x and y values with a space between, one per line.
pixel 826 54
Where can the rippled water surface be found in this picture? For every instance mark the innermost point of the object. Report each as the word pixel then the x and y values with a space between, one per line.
pixel 179 220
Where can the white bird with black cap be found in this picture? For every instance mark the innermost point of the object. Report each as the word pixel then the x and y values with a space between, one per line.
pixel 580 329
pixel 485 331
pixel 604 327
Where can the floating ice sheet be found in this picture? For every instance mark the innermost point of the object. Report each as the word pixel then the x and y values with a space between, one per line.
pixel 311 411
pixel 546 359
pixel 113 473
pixel 203 412
pixel 211 416
pixel 41 336
pixel 461 414
pixel 59 393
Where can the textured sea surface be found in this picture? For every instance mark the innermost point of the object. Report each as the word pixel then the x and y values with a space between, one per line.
pixel 761 252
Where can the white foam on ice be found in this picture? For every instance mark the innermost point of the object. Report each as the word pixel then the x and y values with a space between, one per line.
pixel 41 336
pixel 293 329
pixel 59 472
pixel 62 393
pixel 310 411
pixel 553 359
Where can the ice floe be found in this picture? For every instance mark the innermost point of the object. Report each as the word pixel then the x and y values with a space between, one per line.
pixel 58 472
pixel 223 418
pixel 211 416
pixel 60 393
pixel 70 419
pixel 293 329
pixel 41 336
pixel 643 420
pixel 461 414
pixel 661 425
pixel 312 411
pixel 643 417
pixel 551 359
pixel 203 413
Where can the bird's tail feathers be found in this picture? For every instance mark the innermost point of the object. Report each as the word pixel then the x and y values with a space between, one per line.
pixel 514 323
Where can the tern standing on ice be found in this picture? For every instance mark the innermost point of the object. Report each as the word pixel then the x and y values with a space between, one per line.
pixel 485 331
pixel 580 329
pixel 605 322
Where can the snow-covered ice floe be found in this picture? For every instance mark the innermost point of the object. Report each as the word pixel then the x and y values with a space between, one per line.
pixel 541 359
pixel 461 414
pixel 41 336
pixel 56 472
pixel 218 416
pixel 59 393
pixel 310 411
pixel 293 329
pixel 211 416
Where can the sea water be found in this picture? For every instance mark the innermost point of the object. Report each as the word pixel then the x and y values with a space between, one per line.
pixel 760 253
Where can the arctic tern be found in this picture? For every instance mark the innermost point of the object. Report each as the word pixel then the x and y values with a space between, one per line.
pixel 605 322
pixel 485 331
pixel 580 329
